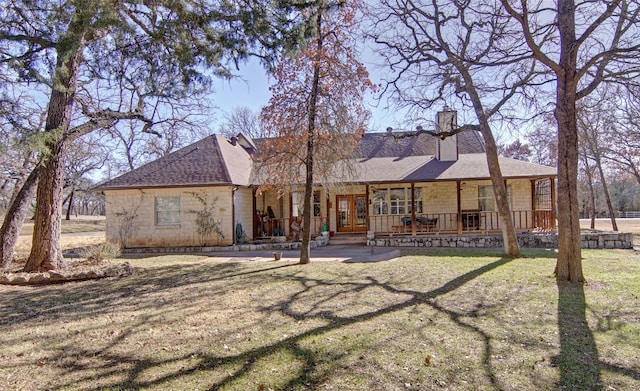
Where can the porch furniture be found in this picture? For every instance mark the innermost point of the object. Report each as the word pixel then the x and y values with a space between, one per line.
pixel 470 220
pixel 422 224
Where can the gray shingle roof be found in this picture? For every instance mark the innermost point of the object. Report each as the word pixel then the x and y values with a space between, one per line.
pixel 379 158
pixel 380 145
pixel 210 161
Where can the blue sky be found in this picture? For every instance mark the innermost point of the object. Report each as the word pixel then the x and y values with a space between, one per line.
pixel 251 89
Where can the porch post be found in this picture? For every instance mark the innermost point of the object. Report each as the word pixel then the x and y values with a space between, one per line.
pixel 328 208
pixel 233 214
pixel 459 219
pixel 533 203
pixel 533 194
pixel 367 206
pixel 255 220
pixel 553 203
pixel 413 209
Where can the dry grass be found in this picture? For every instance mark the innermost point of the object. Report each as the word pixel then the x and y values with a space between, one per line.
pixel 81 231
pixel 450 319
pixel 23 246
pixel 75 225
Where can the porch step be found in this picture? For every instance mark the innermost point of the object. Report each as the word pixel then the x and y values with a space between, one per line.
pixel 349 238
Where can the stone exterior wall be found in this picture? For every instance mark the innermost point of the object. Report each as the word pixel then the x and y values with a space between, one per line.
pixel 276 246
pixel 143 231
pixel 532 240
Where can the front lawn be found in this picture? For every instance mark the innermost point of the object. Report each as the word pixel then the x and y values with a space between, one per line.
pixel 451 319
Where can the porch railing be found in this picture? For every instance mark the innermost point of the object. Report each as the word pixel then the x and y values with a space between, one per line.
pixel 471 221
pixel 267 227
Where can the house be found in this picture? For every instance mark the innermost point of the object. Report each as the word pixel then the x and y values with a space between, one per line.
pixel 418 185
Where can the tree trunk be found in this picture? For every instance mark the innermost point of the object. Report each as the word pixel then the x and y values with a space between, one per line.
pixel 569 264
pixel 607 197
pixel 69 206
pixel 305 249
pixel 46 253
pixel 592 191
pixel 21 177
pixel 15 217
pixel 509 237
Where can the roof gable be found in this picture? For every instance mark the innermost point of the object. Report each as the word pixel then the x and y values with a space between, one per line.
pixel 210 161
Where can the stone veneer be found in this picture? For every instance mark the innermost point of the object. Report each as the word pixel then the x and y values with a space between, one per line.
pixel 277 245
pixel 527 240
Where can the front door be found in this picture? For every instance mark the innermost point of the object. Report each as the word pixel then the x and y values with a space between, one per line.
pixel 352 212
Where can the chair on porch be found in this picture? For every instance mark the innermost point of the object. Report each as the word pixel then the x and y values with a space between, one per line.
pixel 422 224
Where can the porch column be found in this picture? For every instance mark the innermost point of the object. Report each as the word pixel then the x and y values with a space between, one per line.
pixel 533 204
pixel 233 214
pixel 459 201
pixel 553 203
pixel 413 209
pixel 533 194
pixel 368 208
pixel 255 213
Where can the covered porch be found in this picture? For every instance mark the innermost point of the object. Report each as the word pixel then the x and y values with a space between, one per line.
pixel 458 207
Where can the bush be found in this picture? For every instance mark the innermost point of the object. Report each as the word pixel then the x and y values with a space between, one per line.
pixel 100 252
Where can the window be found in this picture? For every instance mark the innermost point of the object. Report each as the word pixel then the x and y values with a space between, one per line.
pixel 417 193
pixel 316 203
pixel 297 203
pixel 485 198
pixel 167 210
pixel 398 201
pixel 380 206
pixel 543 194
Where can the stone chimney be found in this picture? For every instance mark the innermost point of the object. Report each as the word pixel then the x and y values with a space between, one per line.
pixel 447 149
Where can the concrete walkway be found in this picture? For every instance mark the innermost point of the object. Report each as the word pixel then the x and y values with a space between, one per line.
pixel 336 253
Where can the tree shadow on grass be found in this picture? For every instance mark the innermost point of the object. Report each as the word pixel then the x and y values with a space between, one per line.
pixel 81 299
pixel 112 362
pixel 578 360
pixel 475 252
pixel 305 377
pixel 121 367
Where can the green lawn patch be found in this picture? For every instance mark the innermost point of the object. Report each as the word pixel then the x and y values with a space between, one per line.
pixel 442 319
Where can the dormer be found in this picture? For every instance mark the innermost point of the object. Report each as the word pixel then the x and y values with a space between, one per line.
pixel 246 142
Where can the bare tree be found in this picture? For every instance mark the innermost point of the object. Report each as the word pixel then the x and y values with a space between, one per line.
pixel 516 150
pixel 583 43
pixel 242 120
pixel 85 155
pixel 462 51
pixel 594 123
pixel 316 111
pixel 624 149
pixel 543 141
pixel 590 178
pixel 21 121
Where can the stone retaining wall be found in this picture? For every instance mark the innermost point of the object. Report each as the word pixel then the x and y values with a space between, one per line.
pixel 276 245
pixel 527 240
